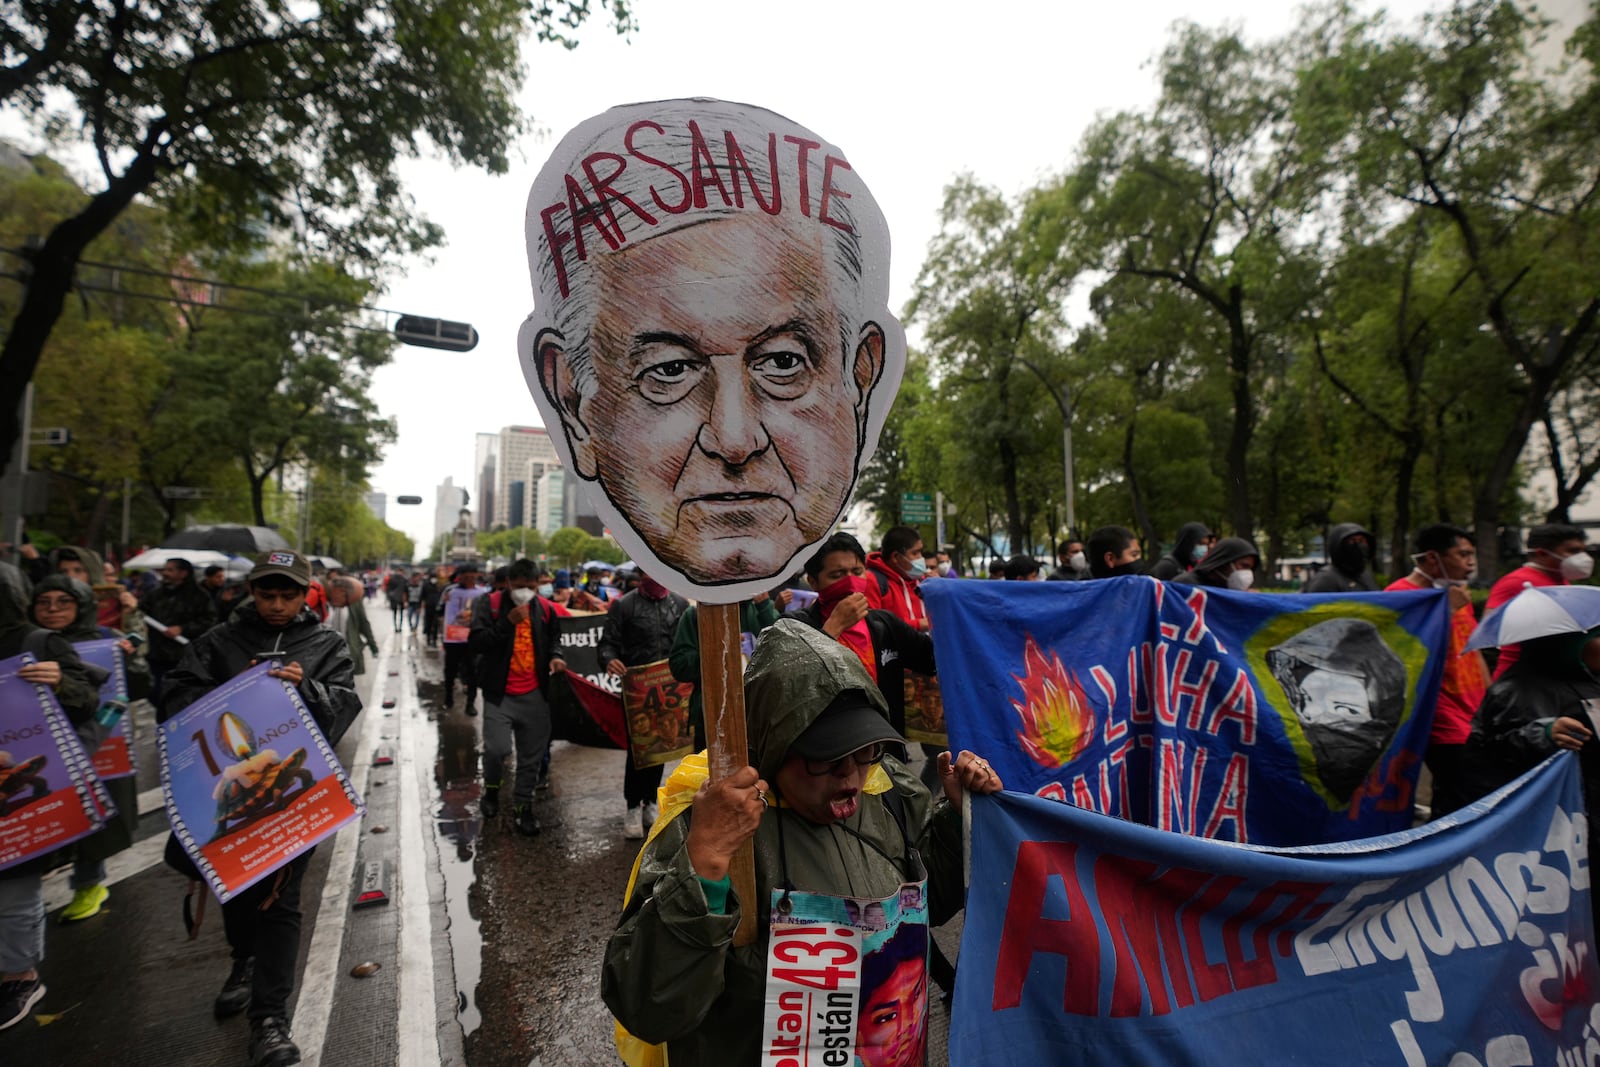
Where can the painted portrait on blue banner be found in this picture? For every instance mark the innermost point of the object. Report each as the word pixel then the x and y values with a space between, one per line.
pixel 1231 715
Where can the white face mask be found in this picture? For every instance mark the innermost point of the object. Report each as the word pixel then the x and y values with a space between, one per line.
pixel 1577 567
pixel 944 570
pixel 1078 562
pixel 1422 560
pixel 547 590
pixel 521 596
pixel 1241 580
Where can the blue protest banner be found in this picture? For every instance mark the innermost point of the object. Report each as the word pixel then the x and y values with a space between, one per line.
pixel 1468 941
pixel 1281 720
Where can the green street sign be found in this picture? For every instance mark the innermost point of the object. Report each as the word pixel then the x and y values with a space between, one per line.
pixel 916 508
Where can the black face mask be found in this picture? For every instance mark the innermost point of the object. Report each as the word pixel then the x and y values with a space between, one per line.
pixel 1136 567
pixel 1350 557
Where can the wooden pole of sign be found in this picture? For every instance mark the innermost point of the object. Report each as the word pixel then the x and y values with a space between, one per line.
pixel 722 693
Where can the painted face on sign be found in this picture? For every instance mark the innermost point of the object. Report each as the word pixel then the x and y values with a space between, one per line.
pixel 893 1023
pixel 731 402
pixel 709 339
pixel 1347 689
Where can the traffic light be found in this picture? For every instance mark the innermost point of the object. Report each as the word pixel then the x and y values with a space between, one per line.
pixel 436 333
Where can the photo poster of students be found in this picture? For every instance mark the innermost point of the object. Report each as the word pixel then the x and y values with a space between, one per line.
pixel 250 782
pixel 117 755
pixel 924 710
pixel 48 793
pixel 655 705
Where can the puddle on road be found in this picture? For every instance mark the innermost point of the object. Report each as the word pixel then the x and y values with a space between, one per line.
pixel 452 750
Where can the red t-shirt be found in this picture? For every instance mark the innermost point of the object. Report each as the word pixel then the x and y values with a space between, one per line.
pixel 1509 585
pixel 523 675
pixel 1465 680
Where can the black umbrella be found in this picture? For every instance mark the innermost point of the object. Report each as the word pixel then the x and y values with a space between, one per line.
pixel 228 537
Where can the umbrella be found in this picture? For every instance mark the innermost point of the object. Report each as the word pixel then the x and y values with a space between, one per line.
pixel 599 565
pixel 152 558
pixel 1539 611
pixel 230 538
pixel 327 562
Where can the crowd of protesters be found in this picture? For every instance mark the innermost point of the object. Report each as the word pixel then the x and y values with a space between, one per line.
pixel 861 611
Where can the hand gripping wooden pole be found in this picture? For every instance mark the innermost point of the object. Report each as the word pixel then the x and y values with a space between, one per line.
pixel 722 693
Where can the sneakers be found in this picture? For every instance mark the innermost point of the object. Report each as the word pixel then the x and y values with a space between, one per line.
pixel 270 1045
pixel 633 824
pixel 235 995
pixel 17 1000
pixel 86 903
pixel 489 806
pixel 648 818
pixel 523 819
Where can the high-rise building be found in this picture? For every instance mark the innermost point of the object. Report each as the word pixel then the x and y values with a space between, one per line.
pixel 379 505
pixel 448 500
pixel 533 472
pixel 577 511
pixel 484 471
pixel 551 499
pixel 516 501
pixel 517 445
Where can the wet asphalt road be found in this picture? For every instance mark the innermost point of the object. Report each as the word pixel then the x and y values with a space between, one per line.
pixel 529 917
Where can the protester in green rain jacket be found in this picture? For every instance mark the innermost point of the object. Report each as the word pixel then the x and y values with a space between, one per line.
pixel 671 973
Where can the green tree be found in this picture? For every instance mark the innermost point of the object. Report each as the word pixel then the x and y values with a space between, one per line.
pixel 602 548
pixel 1454 119
pixel 1204 196
pixel 566 546
pixel 989 298
pixel 278 389
pixel 231 111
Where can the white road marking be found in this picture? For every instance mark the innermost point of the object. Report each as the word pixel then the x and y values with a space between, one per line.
pixel 317 986
pixel 417 1025
pixel 151 800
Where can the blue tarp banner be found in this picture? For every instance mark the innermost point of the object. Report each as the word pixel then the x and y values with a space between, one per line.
pixel 1467 942
pixel 1267 719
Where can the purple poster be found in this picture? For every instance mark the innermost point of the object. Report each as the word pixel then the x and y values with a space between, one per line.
pixel 250 782
pixel 48 794
pixel 117 755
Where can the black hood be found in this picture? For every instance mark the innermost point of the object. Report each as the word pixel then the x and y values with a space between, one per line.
pixel 84 626
pixel 1190 534
pixel 1345 561
pixel 1226 552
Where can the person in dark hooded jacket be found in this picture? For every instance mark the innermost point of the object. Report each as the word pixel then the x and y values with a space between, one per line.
pixel 183 609
pixel 21 889
pixel 263 921
pixel 1349 568
pixel 1539 707
pixel 1194 541
pixel 829 813
pixel 67 607
pixel 1230 564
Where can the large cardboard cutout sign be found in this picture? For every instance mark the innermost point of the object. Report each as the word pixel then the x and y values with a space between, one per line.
pixel 711 346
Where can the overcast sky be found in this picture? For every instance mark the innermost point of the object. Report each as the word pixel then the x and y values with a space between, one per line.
pixel 913 93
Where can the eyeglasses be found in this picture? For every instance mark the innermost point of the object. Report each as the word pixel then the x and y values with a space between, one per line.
pixel 862 757
pixel 55 603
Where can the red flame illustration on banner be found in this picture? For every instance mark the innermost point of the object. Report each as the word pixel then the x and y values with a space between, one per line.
pixel 1057 721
